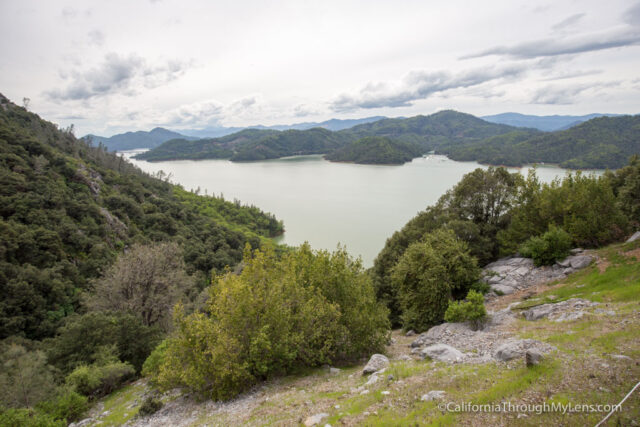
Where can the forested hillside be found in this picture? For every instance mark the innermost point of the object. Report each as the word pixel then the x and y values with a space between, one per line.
pixel 604 142
pixel 67 209
pixel 376 150
pixel 139 139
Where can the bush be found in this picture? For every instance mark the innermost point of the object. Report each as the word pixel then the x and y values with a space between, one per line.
pixel 95 380
pixel 470 310
pixel 27 418
pixel 546 249
pixel 429 274
pixel 150 406
pixel 151 366
pixel 306 309
pixel 68 406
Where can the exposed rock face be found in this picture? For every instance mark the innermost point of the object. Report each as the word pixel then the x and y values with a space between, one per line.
pixel 570 309
pixel 508 275
pixel 533 357
pixel 513 349
pixel 376 363
pixel 442 353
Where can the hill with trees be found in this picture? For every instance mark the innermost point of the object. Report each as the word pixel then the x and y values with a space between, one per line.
pixel 133 140
pixel 376 150
pixel 543 123
pixel 604 142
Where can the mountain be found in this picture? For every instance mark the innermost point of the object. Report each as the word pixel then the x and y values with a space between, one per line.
pixel 443 129
pixel 68 209
pixel 604 142
pixel 133 140
pixel 332 124
pixel 376 150
pixel 544 123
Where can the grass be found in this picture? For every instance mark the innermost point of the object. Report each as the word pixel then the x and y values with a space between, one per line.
pixel 117 404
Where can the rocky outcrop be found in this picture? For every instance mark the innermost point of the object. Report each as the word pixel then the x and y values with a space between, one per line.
pixel 376 363
pixel 433 395
pixel 508 275
pixel 514 349
pixel 562 311
pixel 442 353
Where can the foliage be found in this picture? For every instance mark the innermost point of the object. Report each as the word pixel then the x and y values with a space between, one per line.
pixel 376 150
pixel 306 309
pixel 151 366
pixel 546 249
pixel 25 377
pixel 146 281
pixel 99 379
pixel 604 142
pixel 67 209
pixel 68 406
pixel 28 418
pixel 82 338
pixel 429 274
pixel 150 406
pixel 476 209
pixel 470 310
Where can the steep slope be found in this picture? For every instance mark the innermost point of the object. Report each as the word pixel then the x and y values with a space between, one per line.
pixel 376 150
pixel 67 209
pixel 139 139
pixel 605 142
pixel 543 123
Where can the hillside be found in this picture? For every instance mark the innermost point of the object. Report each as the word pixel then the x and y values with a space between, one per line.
pixel 443 129
pixel 590 342
pixel 133 140
pixel 69 209
pixel 375 150
pixel 605 142
pixel 543 123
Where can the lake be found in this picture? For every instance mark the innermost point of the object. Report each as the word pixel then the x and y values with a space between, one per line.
pixel 327 203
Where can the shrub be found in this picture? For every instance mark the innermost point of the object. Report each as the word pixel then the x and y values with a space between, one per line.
pixel 150 406
pixel 306 309
pixel 68 406
pixel 470 310
pixel 429 274
pixel 27 418
pixel 95 380
pixel 546 249
pixel 151 366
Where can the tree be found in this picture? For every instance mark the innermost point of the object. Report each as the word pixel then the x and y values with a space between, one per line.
pixel 146 281
pixel 25 377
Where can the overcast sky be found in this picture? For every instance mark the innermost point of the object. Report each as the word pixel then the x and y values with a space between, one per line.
pixel 110 66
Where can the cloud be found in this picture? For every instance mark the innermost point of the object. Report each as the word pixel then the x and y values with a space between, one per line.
pixel 116 74
pixel 422 84
pixel 572 75
pixel 632 15
pixel 568 22
pixel 96 37
pixel 206 113
pixel 564 95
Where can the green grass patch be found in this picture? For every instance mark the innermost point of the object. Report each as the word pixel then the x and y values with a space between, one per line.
pixel 117 404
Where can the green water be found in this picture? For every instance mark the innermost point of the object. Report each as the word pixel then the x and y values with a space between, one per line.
pixel 326 203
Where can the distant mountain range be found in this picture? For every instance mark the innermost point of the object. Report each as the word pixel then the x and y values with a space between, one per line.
pixel 544 123
pixel 139 139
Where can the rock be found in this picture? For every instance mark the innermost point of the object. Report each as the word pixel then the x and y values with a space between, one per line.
pixel 621 357
pixel 515 348
pixel 634 237
pixel 82 423
pixel 533 357
pixel 390 377
pixel 410 333
pixel 372 379
pixel 385 393
pixel 376 362
pixel 405 357
pixel 570 309
pixel 433 395
pixel 502 289
pixel 315 419
pixel 364 392
pixel 580 261
pixel 493 280
pixel 576 251
pixel 442 353
pixel 334 371
pixel 568 271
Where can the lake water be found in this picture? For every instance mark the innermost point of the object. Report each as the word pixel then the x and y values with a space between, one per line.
pixel 326 203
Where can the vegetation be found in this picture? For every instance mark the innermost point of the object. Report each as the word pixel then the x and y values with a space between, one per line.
pixel 306 309
pixel 547 249
pixel 428 275
pixel 470 310
pixel 603 142
pixel 375 150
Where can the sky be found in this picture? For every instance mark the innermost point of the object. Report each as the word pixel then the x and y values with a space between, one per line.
pixel 113 66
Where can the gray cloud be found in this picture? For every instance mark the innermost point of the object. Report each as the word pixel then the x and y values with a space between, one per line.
pixel 565 95
pixel 421 85
pixel 568 22
pixel 632 15
pixel 116 74
pixel 96 37
pixel 572 75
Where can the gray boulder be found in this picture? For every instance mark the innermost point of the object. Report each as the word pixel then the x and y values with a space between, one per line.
pixel 315 419
pixel 533 357
pixel 502 289
pixel 433 395
pixel 570 309
pixel 634 237
pixel 442 353
pixel 515 348
pixel 376 363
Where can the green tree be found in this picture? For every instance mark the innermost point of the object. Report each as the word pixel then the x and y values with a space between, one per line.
pixel 25 377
